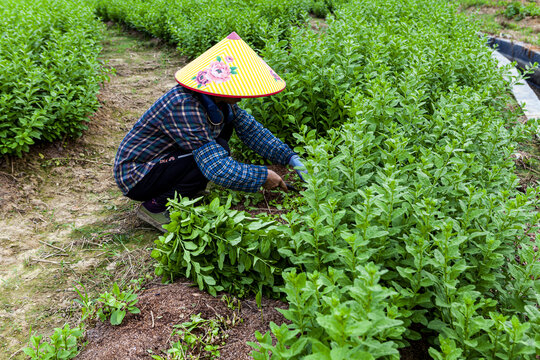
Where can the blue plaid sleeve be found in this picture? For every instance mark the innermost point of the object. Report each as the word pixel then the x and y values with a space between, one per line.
pixel 260 139
pixel 217 166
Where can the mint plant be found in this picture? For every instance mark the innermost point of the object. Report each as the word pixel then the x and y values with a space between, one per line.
pixel 331 319
pixel 411 225
pixel 50 71
pixel 173 21
pixel 197 338
pixel 63 344
pixel 114 305
pixel 417 180
pixel 111 305
pixel 246 249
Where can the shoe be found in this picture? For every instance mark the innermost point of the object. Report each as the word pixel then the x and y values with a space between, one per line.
pixel 157 220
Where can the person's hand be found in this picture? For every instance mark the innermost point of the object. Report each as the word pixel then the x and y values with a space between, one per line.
pixel 274 180
pixel 296 163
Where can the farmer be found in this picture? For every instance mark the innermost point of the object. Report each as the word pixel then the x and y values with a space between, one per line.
pixel 181 142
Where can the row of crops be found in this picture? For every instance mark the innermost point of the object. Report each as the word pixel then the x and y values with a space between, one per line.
pixel 410 227
pixel 49 71
pixel 49 55
pixel 196 25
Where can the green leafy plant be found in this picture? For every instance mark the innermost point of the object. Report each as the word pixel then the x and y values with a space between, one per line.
pixel 411 226
pixel 174 21
pixel 517 10
pixel 320 72
pixel 63 344
pixel 112 306
pixel 403 184
pixel 333 318
pixel 197 338
pixel 246 248
pixel 88 307
pixel 248 200
pixel 321 8
pixel 232 302
pixel 50 71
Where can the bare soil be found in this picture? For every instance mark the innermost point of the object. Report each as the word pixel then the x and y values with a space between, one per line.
pixel 162 307
pixel 317 24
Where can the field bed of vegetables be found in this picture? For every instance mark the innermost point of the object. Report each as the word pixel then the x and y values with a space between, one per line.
pixel 410 226
pixel 181 22
pixel 49 71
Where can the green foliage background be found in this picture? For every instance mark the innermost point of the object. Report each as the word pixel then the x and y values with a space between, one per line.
pixel 49 71
pixel 196 25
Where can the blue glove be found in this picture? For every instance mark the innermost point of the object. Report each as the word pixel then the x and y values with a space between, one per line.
pixel 296 163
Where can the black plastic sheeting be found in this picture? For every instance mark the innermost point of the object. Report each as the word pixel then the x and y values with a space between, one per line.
pixel 522 54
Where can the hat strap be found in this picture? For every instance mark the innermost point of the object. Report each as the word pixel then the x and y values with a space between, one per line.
pixel 215 115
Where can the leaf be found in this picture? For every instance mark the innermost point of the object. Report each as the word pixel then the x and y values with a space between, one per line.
pixel 256 225
pixel 358 328
pixel 189 245
pixel 373 232
pixel 36 340
pixel 187 257
pixel 221 260
pixel 168 238
pixel 116 289
pixel 258 298
pixel 200 281
pixel 117 316
pixel 30 352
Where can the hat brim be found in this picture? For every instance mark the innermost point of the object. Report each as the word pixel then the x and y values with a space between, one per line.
pixel 228 96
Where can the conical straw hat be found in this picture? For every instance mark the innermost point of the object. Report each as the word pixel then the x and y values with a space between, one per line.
pixel 230 69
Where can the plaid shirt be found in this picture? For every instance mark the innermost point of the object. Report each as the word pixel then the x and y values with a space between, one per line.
pixel 178 121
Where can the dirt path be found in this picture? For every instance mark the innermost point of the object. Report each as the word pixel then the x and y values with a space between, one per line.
pixel 63 219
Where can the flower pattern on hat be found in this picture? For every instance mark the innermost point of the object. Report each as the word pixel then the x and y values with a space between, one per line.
pixel 217 72
pixel 272 72
pixel 274 75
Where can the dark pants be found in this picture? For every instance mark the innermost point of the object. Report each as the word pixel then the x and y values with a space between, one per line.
pixel 176 174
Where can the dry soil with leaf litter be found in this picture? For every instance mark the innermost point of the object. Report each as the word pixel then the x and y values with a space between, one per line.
pixel 162 307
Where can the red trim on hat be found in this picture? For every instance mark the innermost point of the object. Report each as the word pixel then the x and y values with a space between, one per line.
pixel 229 96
